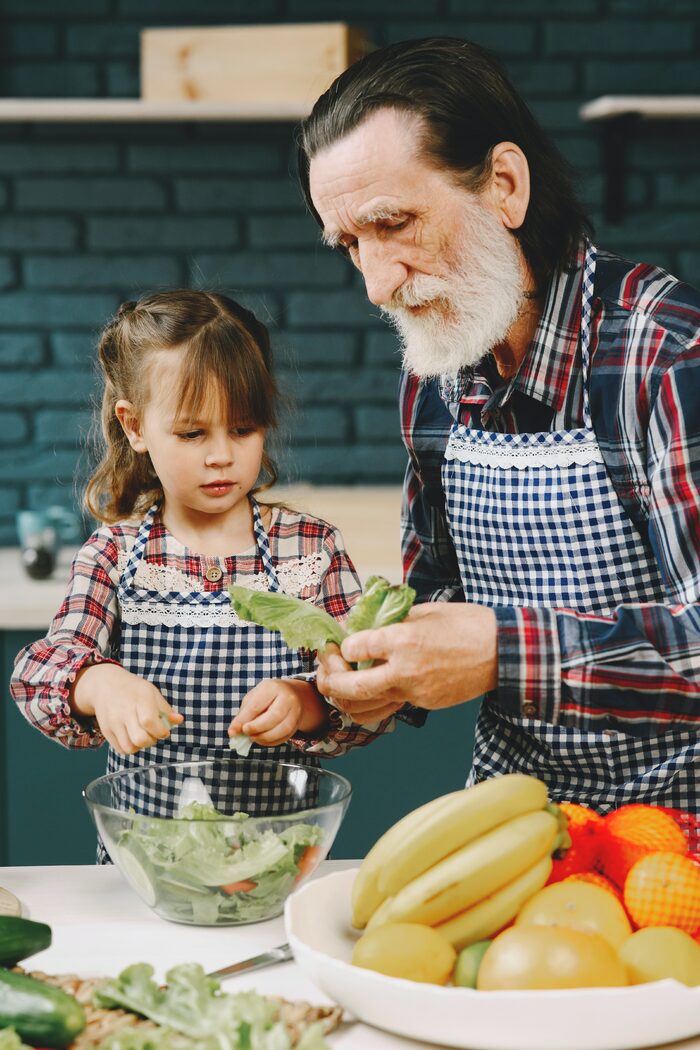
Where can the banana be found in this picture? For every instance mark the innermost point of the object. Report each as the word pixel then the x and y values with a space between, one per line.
pixel 366 897
pixel 490 915
pixel 465 816
pixel 474 872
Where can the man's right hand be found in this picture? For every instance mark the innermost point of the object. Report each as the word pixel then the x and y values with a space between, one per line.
pixel 131 713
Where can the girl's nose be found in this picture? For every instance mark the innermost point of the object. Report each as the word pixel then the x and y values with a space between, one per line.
pixel 220 452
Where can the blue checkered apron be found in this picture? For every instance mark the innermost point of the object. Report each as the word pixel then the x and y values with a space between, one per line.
pixel 536 521
pixel 203 668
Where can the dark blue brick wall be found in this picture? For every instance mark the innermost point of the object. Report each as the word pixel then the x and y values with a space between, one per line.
pixel 92 215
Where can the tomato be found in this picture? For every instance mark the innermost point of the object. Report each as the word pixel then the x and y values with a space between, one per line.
pixel 549 957
pixel 309 860
pixel 577 906
pixel 661 951
pixel 406 949
pixel 244 886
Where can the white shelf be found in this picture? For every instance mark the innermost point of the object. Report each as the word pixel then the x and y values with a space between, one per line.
pixel 649 107
pixel 132 110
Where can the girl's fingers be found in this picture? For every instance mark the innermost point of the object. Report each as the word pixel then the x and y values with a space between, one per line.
pixel 278 735
pixel 138 736
pixel 266 721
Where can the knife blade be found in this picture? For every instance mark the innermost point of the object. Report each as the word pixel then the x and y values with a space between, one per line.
pixel 282 953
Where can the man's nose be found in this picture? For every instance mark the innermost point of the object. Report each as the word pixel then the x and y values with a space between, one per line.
pixel 383 274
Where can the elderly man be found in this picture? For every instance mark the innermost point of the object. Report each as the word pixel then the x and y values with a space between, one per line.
pixel 550 407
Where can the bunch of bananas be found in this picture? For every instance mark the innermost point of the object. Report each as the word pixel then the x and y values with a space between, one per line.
pixel 464 863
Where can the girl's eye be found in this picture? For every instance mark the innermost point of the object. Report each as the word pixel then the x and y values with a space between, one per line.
pixel 190 435
pixel 242 431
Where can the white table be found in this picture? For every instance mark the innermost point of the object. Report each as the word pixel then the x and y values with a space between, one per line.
pixel 100 926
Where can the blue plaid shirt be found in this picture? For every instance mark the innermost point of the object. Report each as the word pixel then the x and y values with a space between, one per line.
pixel 640 665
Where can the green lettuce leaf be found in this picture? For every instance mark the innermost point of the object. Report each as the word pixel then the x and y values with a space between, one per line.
pixel 301 624
pixel 305 626
pixel 192 1005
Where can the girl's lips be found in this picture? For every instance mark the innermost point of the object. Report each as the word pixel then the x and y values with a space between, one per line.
pixel 218 486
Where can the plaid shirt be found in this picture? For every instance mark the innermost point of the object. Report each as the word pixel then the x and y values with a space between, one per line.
pixel 640 666
pixel 309 557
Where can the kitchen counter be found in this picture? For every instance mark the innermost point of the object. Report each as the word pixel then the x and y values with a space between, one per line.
pixel 367 517
pixel 100 926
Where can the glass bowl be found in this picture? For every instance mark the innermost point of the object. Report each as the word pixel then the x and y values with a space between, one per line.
pixel 218 842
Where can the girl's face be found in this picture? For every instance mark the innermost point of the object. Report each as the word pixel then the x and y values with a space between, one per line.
pixel 204 465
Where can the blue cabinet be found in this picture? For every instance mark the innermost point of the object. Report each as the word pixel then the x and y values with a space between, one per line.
pixel 44 820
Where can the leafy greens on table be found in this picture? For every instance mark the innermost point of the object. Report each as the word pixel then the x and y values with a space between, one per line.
pixel 306 626
pixel 194 1014
pixel 198 861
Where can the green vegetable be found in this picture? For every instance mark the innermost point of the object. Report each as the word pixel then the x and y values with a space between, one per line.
pixel 9 1040
pixel 305 626
pixel 192 1005
pixel 468 963
pixel 241 744
pixel 186 867
pixel 40 1014
pixel 20 938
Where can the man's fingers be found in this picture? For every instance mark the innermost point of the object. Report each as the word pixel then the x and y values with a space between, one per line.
pixel 379 644
pixel 331 660
pixel 375 683
pixel 376 714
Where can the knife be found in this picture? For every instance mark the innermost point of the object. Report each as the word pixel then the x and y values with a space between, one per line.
pixel 282 953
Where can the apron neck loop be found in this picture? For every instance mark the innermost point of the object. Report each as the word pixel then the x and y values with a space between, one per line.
pixel 264 546
pixel 586 314
pixel 140 544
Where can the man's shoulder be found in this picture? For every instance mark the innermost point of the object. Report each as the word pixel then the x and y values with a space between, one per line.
pixel 646 291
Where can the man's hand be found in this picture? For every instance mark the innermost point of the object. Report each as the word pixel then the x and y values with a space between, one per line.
pixel 130 712
pixel 441 655
pixel 277 709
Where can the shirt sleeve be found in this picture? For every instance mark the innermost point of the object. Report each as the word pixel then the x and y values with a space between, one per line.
pixel 429 559
pixel 82 633
pixel 641 666
pixel 338 591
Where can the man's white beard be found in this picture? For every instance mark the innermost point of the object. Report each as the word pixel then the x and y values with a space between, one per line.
pixel 483 294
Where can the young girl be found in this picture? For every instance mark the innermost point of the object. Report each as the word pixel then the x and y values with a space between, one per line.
pixel 146 650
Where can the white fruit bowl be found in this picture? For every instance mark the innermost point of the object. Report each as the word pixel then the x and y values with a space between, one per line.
pixel 317 920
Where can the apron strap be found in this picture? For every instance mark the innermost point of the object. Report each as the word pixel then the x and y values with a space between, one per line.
pixel 139 546
pixel 264 547
pixel 586 311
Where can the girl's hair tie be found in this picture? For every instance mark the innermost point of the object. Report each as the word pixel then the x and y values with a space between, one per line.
pixel 127 307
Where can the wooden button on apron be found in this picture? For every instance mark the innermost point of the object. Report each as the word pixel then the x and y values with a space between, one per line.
pixel 213 574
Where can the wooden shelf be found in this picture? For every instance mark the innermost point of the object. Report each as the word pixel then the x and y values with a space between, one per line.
pixel 618 115
pixel 133 110
pixel 648 107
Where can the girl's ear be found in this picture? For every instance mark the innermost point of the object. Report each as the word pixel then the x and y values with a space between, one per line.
pixel 130 424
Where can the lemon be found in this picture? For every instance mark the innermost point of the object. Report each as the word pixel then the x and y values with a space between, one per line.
pixel 406 949
pixel 657 952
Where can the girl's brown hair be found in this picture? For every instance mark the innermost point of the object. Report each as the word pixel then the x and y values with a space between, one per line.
pixel 227 349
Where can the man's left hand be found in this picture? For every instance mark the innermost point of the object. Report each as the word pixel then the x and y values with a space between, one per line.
pixel 443 654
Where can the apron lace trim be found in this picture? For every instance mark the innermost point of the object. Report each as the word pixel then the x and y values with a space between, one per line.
pixel 548 450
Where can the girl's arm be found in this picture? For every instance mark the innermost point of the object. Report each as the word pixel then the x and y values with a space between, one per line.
pixel 81 634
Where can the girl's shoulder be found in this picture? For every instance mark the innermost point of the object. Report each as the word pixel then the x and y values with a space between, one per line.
pixel 301 531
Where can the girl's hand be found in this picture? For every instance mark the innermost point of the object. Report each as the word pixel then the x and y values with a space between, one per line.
pixel 130 712
pixel 275 710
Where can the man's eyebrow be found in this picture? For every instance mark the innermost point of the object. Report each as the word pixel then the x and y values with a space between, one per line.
pixel 332 238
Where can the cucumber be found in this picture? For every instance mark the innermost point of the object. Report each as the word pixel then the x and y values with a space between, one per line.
pixel 40 1014
pixel 20 938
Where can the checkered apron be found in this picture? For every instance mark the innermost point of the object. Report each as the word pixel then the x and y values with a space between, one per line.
pixel 536 522
pixel 203 670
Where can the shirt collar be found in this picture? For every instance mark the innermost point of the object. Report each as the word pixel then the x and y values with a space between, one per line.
pixel 545 371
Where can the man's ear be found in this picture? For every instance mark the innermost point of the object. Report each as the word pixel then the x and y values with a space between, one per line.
pixel 510 184
pixel 130 424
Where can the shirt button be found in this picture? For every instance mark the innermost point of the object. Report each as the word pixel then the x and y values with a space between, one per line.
pixel 529 710
pixel 213 574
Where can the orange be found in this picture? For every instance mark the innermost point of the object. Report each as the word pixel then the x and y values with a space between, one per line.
pixel 663 889
pixel 583 827
pixel 633 831
pixel 596 879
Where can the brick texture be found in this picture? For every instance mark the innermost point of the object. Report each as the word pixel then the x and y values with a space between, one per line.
pixel 93 214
